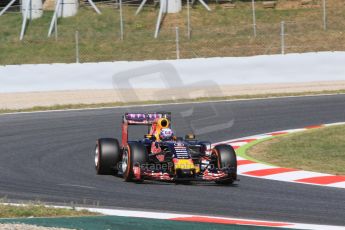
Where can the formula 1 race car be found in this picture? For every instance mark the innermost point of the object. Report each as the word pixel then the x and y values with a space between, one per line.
pixel 160 155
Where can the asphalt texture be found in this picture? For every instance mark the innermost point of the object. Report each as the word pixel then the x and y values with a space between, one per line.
pixel 49 157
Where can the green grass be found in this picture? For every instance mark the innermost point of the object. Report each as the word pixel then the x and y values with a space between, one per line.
pixel 201 99
pixel 39 210
pixel 221 32
pixel 242 151
pixel 320 150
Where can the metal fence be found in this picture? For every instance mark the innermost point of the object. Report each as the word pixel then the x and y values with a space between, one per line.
pixel 75 42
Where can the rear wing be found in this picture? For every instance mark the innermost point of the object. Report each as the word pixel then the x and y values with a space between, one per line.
pixel 144 118
pixel 140 119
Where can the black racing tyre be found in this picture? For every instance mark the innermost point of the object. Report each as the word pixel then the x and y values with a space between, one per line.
pixel 227 159
pixel 134 154
pixel 107 156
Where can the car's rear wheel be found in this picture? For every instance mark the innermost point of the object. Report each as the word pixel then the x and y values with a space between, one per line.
pixel 107 156
pixel 134 155
pixel 227 160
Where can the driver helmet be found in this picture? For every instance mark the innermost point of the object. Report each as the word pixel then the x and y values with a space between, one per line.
pixel 166 134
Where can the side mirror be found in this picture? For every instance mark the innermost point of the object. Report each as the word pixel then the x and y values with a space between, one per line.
pixel 179 139
pixel 150 137
pixel 190 136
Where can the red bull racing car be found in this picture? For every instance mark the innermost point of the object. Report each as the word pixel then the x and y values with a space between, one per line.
pixel 160 155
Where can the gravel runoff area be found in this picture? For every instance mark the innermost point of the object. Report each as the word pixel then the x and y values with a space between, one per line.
pixel 32 99
pixel 27 227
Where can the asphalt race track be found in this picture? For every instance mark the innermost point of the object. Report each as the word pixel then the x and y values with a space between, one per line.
pixel 49 157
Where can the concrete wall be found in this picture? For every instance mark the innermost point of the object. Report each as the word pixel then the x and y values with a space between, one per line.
pixel 273 69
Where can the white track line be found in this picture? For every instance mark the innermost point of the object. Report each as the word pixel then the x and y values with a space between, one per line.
pixel 172 216
pixel 252 167
pixel 296 175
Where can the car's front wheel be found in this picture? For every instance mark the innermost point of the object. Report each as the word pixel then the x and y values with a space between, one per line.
pixel 134 155
pixel 226 160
